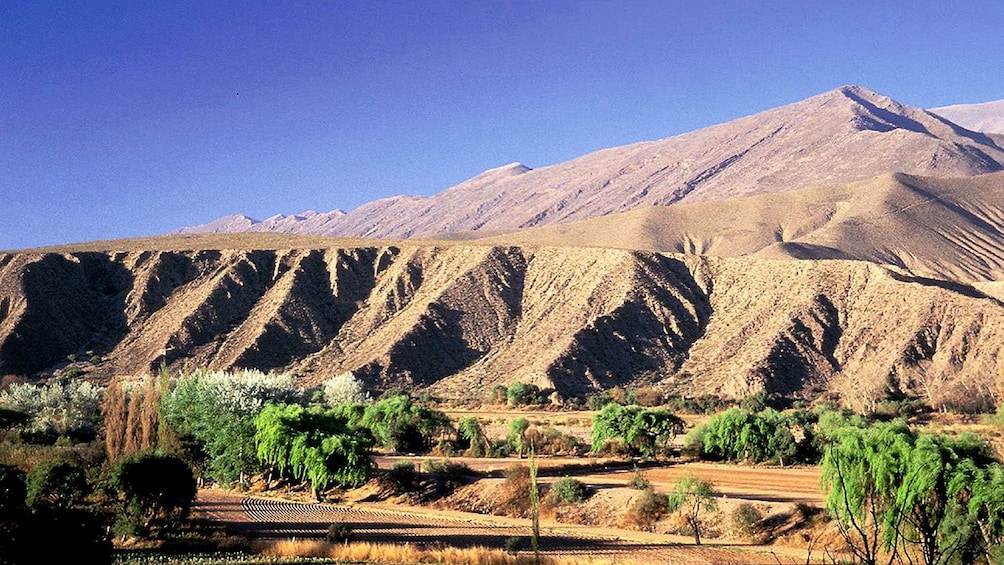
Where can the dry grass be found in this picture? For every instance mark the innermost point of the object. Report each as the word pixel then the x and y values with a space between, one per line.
pixel 407 553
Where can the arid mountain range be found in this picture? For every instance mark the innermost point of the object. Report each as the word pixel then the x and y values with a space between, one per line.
pixel 844 247
pixel 987 117
pixel 844 135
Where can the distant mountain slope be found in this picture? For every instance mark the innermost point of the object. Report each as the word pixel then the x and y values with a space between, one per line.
pixel 987 117
pixel 950 229
pixel 847 134
pixel 461 317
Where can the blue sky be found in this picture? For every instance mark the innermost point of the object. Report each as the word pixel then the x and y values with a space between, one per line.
pixel 121 119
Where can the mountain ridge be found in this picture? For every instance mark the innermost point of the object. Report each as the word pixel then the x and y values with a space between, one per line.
pixel 846 134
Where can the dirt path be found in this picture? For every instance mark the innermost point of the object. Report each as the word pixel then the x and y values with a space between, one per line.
pixel 262 518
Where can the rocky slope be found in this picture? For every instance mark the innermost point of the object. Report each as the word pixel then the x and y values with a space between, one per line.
pixel 844 135
pixel 460 317
pixel 951 229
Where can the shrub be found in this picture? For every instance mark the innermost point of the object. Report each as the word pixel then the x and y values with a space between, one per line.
pixel 649 396
pixel 402 477
pixel 58 484
pixel 639 481
pixel 448 475
pixel 472 437
pixel 513 545
pixel 646 509
pixel 745 519
pixel 62 407
pixel 569 491
pixel 522 394
pixel 157 490
pixel 344 388
pixel 339 532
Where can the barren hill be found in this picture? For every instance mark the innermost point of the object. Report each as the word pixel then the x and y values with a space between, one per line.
pixel 460 317
pixel 950 229
pixel 844 135
pixel 987 117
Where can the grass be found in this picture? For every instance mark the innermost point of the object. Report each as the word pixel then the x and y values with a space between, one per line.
pixel 411 554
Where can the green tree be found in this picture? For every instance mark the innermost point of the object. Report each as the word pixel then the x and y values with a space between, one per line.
pixel 521 394
pixel 692 497
pixel 397 423
pixel 157 490
pixel 216 411
pixel 311 445
pixel 472 436
pixel 645 432
pixel 516 438
pixel 741 435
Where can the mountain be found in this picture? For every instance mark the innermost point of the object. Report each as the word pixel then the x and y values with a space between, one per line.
pixel 987 117
pixel 458 317
pixel 949 229
pixel 847 134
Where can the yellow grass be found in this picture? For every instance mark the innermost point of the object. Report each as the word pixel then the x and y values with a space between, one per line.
pixel 408 553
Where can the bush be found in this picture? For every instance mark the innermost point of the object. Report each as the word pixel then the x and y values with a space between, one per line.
pixel 344 388
pixel 339 532
pixel 522 394
pixel 569 491
pixel 448 475
pixel 513 545
pixel 745 519
pixel 639 481
pixel 472 438
pixel 59 408
pixel 402 477
pixel 157 491
pixel 647 508
pixel 57 484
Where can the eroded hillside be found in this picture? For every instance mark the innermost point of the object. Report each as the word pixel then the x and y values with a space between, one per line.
pixel 459 318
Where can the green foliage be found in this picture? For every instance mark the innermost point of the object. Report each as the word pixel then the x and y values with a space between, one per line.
pixel 157 490
pixel 311 445
pixel 523 394
pixel 513 545
pixel 891 489
pixel 745 518
pixel 473 438
pixel 59 408
pixel 448 475
pixel 569 490
pixel 216 411
pixel 516 438
pixel 741 435
pixel 399 424
pixel 57 484
pixel 691 497
pixel 645 432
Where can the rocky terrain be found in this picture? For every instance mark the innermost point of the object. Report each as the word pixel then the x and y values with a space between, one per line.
pixel 844 135
pixel 460 317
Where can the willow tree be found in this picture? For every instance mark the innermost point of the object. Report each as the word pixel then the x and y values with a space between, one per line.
pixel 692 497
pixel 311 445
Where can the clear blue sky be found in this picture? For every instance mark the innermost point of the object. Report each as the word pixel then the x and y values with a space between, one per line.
pixel 121 119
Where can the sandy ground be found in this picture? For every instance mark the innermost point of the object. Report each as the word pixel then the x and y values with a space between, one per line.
pixel 268 518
